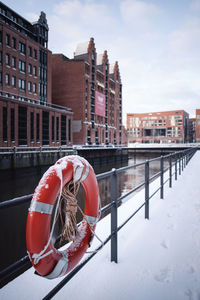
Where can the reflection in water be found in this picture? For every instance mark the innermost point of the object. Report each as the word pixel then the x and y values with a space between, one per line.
pixel 131 178
pixel 13 220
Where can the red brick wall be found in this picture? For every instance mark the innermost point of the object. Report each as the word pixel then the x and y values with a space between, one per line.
pixel 198 125
pixel 68 89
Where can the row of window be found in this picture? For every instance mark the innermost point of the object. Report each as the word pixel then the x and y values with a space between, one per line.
pixel 11 61
pixel 35 123
pixel 12 80
pixel 12 42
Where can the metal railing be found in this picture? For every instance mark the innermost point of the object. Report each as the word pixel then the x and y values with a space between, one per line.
pixel 42 149
pixel 176 163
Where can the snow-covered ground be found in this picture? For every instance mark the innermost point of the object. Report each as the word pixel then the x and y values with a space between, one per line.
pixel 158 258
pixel 162 145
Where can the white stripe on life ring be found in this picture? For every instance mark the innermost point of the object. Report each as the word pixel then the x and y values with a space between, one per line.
pixel 60 268
pixel 41 207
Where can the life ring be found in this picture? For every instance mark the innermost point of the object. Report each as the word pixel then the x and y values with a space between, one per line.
pixel 46 259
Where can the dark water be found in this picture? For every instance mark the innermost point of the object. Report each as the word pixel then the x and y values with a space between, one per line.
pixel 23 182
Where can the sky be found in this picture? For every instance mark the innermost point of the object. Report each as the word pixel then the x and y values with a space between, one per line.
pixel 156 43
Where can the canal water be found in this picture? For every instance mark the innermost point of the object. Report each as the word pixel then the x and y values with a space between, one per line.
pixel 23 182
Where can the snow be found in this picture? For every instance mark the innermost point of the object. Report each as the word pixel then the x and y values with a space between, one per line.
pixel 158 258
pixel 162 145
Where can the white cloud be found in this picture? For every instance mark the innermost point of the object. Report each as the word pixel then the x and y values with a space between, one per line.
pixel 32 17
pixel 75 21
pixel 195 6
pixel 139 15
pixel 185 40
pixel 159 64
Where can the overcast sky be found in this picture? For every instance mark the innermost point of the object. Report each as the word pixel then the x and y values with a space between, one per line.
pixel 156 42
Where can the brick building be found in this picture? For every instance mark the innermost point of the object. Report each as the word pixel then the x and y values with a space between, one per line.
pixel 27 115
pixel 158 127
pixel 192 130
pixel 92 88
pixel 197 125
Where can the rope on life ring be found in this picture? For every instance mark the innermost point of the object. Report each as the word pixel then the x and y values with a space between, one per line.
pixel 46 259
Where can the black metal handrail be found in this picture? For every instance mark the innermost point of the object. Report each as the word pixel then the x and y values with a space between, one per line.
pixel 181 159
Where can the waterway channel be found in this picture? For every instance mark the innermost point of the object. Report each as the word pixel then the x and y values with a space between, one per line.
pixel 22 182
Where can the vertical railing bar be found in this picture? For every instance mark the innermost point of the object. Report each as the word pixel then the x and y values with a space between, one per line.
pixel 161 177
pixel 170 171
pixel 113 193
pixel 185 158
pixel 147 190
pixel 176 167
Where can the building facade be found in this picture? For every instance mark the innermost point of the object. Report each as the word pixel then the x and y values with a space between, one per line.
pixel 192 130
pixel 197 125
pixel 92 88
pixel 27 115
pixel 158 127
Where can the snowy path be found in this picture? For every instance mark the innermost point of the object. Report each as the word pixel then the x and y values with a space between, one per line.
pixel 159 258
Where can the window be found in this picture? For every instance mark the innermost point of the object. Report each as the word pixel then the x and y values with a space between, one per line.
pixel 69 130
pixel 30 51
pixel 22 66
pixel 22 125
pixel 5 123
pixel 38 127
pixel 7 77
pixel 29 86
pixel 0 57
pixel 14 81
pixel 0 36
pixel 34 88
pixel 45 75
pixel 1 78
pixel 14 62
pixel 57 129
pixel 63 130
pixel 32 127
pixel 22 84
pixel 22 48
pixel 12 124
pixel 8 59
pixel 45 128
pixel 45 90
pixel 14 43
pixel 29 68
pixel 35 71
pixel 53 129
pixel 35 53
pixel 8 39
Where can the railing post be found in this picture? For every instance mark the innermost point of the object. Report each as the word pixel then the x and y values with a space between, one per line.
pixel 187 154
pixel 161 176
pixel 147 189
pixel 176 167
pixel 170 171
pixel 113 195
pixel 179 164
pixel 185 158
pixel 182 161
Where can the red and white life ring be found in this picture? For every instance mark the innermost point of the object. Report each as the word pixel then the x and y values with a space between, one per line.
pixel 47 260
